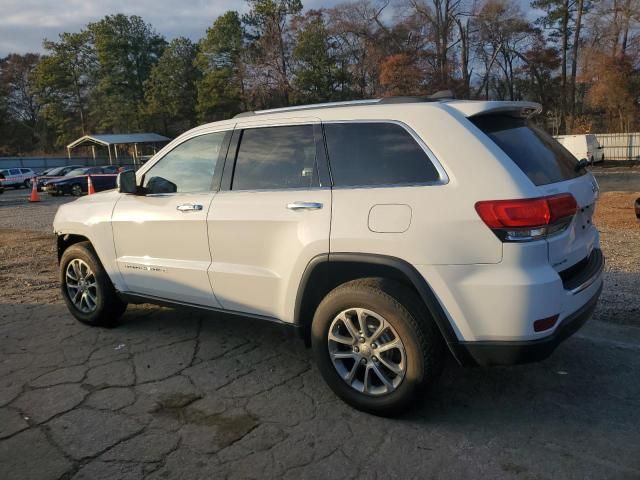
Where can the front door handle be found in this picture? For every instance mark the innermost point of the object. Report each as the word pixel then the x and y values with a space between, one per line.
pixel 304 206
pixel 189 207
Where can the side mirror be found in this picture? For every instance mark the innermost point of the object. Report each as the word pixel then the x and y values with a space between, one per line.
pixel 127 182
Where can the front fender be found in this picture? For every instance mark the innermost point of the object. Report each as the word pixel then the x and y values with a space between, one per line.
pixel 90 217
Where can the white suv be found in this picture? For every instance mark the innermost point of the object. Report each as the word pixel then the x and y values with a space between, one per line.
pixel 386 232
pixel 16 177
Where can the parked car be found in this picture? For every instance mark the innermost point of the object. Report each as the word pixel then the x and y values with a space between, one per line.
pixel 46 171
pixel 385 232
pixel 1 187
pixel 75 182
pixel 583 146
pixel 54 173
pixel 17 177
pixel 637 208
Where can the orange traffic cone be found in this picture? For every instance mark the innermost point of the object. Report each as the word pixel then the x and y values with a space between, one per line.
pixel 34 197
pixel 90 189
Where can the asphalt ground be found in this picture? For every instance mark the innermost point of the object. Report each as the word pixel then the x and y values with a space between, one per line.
pixel 173 394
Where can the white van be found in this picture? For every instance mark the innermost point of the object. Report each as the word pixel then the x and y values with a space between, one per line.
pixel 583 146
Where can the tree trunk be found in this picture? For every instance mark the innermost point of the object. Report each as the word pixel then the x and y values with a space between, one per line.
pixel 574 60
pixel 625 32
pixel 564 31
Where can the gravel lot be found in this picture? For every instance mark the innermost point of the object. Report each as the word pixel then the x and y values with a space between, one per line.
pixel 175 394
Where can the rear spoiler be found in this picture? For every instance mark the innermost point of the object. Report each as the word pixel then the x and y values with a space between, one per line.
pixel 514 109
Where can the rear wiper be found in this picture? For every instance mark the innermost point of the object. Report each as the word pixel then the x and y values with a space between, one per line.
pixel 583 163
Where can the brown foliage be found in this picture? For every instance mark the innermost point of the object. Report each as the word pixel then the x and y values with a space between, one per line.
pixel 400 75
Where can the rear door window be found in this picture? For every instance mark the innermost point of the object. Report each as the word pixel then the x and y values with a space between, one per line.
pixel 537 153
pixel 376 153
pixel 274 158
pixel 14 171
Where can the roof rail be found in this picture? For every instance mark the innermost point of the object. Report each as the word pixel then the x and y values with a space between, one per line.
pixel 436 97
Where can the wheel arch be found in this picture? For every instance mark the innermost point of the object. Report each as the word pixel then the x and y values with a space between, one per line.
pixel 327 271
pixel 65 240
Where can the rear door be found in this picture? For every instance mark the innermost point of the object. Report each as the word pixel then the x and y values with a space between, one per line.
pixel 161 240
pixel 15 177
pixel 553 169
pixel 270 218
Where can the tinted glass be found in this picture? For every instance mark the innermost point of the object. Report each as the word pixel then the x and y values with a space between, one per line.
pixel 538 155
pixel 275 158
pixel 189 167
pixel 68 170
pixel 15 171
pixel 376 154
pixel 77 171
pixel 25 170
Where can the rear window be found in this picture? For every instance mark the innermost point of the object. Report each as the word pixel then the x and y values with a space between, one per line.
pixel 538 155
pixel 369 154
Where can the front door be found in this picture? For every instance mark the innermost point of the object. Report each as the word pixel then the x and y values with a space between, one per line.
pixel 271 221
pixel 161 240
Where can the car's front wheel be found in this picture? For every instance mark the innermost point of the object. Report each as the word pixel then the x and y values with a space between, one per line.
pixel 375 345
pixel 76 190
pixel 86 288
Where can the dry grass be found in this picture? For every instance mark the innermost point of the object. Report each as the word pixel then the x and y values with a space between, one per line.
pixel 620 231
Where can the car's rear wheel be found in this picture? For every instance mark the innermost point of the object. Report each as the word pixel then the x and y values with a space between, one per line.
pixel 375 345
pixel 76 190
pixel 86 288
pixel 27 184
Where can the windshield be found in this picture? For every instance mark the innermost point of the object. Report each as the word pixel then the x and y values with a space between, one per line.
pixel 55 171
pixel 77 171
pixel 538 155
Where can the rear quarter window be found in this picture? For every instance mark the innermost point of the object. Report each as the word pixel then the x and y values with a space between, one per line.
pixel 535 152
pixel 376 153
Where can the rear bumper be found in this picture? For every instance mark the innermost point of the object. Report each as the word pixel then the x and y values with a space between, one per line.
pixel 486 353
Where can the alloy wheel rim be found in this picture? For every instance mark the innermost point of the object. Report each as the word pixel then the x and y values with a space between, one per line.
pixel 81 285
pixel 366 351
pixel 76 190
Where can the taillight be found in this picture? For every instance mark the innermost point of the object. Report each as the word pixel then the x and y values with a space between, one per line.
pixel 527 219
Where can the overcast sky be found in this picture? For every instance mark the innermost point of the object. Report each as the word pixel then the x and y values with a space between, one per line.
pixel 24 23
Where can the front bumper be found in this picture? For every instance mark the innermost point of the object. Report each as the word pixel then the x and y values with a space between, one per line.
pixel 52 189
pixel 486 353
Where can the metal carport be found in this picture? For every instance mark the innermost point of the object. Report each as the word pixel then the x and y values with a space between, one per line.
pixel 114 139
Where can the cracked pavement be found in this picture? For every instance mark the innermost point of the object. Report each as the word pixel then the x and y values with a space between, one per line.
pixel 177 394
pixel 187 395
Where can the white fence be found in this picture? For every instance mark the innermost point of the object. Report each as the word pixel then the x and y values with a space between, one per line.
pixel 620 146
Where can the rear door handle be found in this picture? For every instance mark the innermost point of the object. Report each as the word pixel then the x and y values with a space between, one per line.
pixel 304 206
pixel 189 207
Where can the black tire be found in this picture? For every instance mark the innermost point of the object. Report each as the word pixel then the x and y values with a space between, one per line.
pixel 109 306
pixel 405 312
pixel 27 184
pixel 76 190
